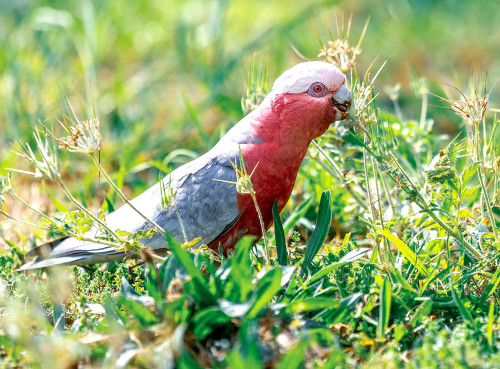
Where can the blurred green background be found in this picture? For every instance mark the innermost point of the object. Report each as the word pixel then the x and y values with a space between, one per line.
pixel 170 74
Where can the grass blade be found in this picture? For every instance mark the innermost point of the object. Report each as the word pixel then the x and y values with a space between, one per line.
pixel 489 326
pixel 464 311
pixel 319 234
pixel 405 250
pixel 267 288
pixel 385 308
pixel 280 236
pixel 491 287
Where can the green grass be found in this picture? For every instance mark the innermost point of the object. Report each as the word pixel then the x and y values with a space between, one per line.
pixel 385 256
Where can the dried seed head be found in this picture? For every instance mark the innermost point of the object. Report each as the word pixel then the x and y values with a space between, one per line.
pixel 473 108
pixel 393 91
pixel 340 53
pixel 419 86
pixel 50 164
pixel 82 136
pixel 363 111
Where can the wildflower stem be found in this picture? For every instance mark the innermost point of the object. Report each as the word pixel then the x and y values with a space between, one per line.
pixel 481 181
pixel 122 195
pixel 17 220
pixel 261 220
pixel 368 188
pixel 15 196
pixel 85 210
pixel 337 173
pixel 423 111
pixel 388 194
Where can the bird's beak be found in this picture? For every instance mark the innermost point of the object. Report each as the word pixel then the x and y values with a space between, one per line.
pixel 342 101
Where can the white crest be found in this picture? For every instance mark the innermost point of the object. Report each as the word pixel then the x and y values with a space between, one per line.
pixel 299 78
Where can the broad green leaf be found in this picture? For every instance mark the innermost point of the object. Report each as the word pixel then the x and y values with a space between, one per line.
pixel 184 259
pixel 405 250
pixel 143 315
pixel 325 271
pixel 311 303
pixel 294 357
pixel 205 321
pixel 385 308
pixel 422 311
pixel 236 274
pixel 469 172
pixel 281 249
pixel 200 292
pixel 464 311
pixel 489 326
pixel 267 288
pixel 323 222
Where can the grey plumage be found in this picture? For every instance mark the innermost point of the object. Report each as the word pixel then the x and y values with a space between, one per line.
pixel 206 206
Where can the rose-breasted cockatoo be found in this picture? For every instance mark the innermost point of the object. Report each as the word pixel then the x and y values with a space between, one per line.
pixel 303 102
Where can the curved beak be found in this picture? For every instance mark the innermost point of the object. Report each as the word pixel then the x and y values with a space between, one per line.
pixel 342 101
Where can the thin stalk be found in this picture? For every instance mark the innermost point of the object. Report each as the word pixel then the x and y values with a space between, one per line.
pixel 85 210
pixel 382 223
pixel 368 189
pixel 481 181
pixel 18 220
pixel 261 220
pixel 423 111
pixel 15 196
pixel 337 173
pixel 397 109
pixel 387 193
pixel 122 195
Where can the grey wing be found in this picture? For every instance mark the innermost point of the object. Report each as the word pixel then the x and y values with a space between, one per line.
pixel 204 206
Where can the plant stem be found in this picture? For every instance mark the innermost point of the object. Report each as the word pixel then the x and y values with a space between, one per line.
pixel 122 195
pixel 15 196
pixel 481 181
pixel 18 220
pixel 84 209
pixel 388 194
pixel 337 173
pixel 261 220
pixel 368 188
pixel 423 111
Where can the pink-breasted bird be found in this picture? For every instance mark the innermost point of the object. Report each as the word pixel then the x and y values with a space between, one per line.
pixel 303 102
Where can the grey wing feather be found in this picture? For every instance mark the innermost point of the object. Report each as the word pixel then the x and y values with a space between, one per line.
pixel 205 205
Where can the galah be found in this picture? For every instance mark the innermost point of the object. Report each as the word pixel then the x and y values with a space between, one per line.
pixel 273 140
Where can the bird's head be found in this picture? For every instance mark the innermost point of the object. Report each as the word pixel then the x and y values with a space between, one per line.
pixel 309 97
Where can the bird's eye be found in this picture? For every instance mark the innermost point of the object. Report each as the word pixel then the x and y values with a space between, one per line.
pixel 317 89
